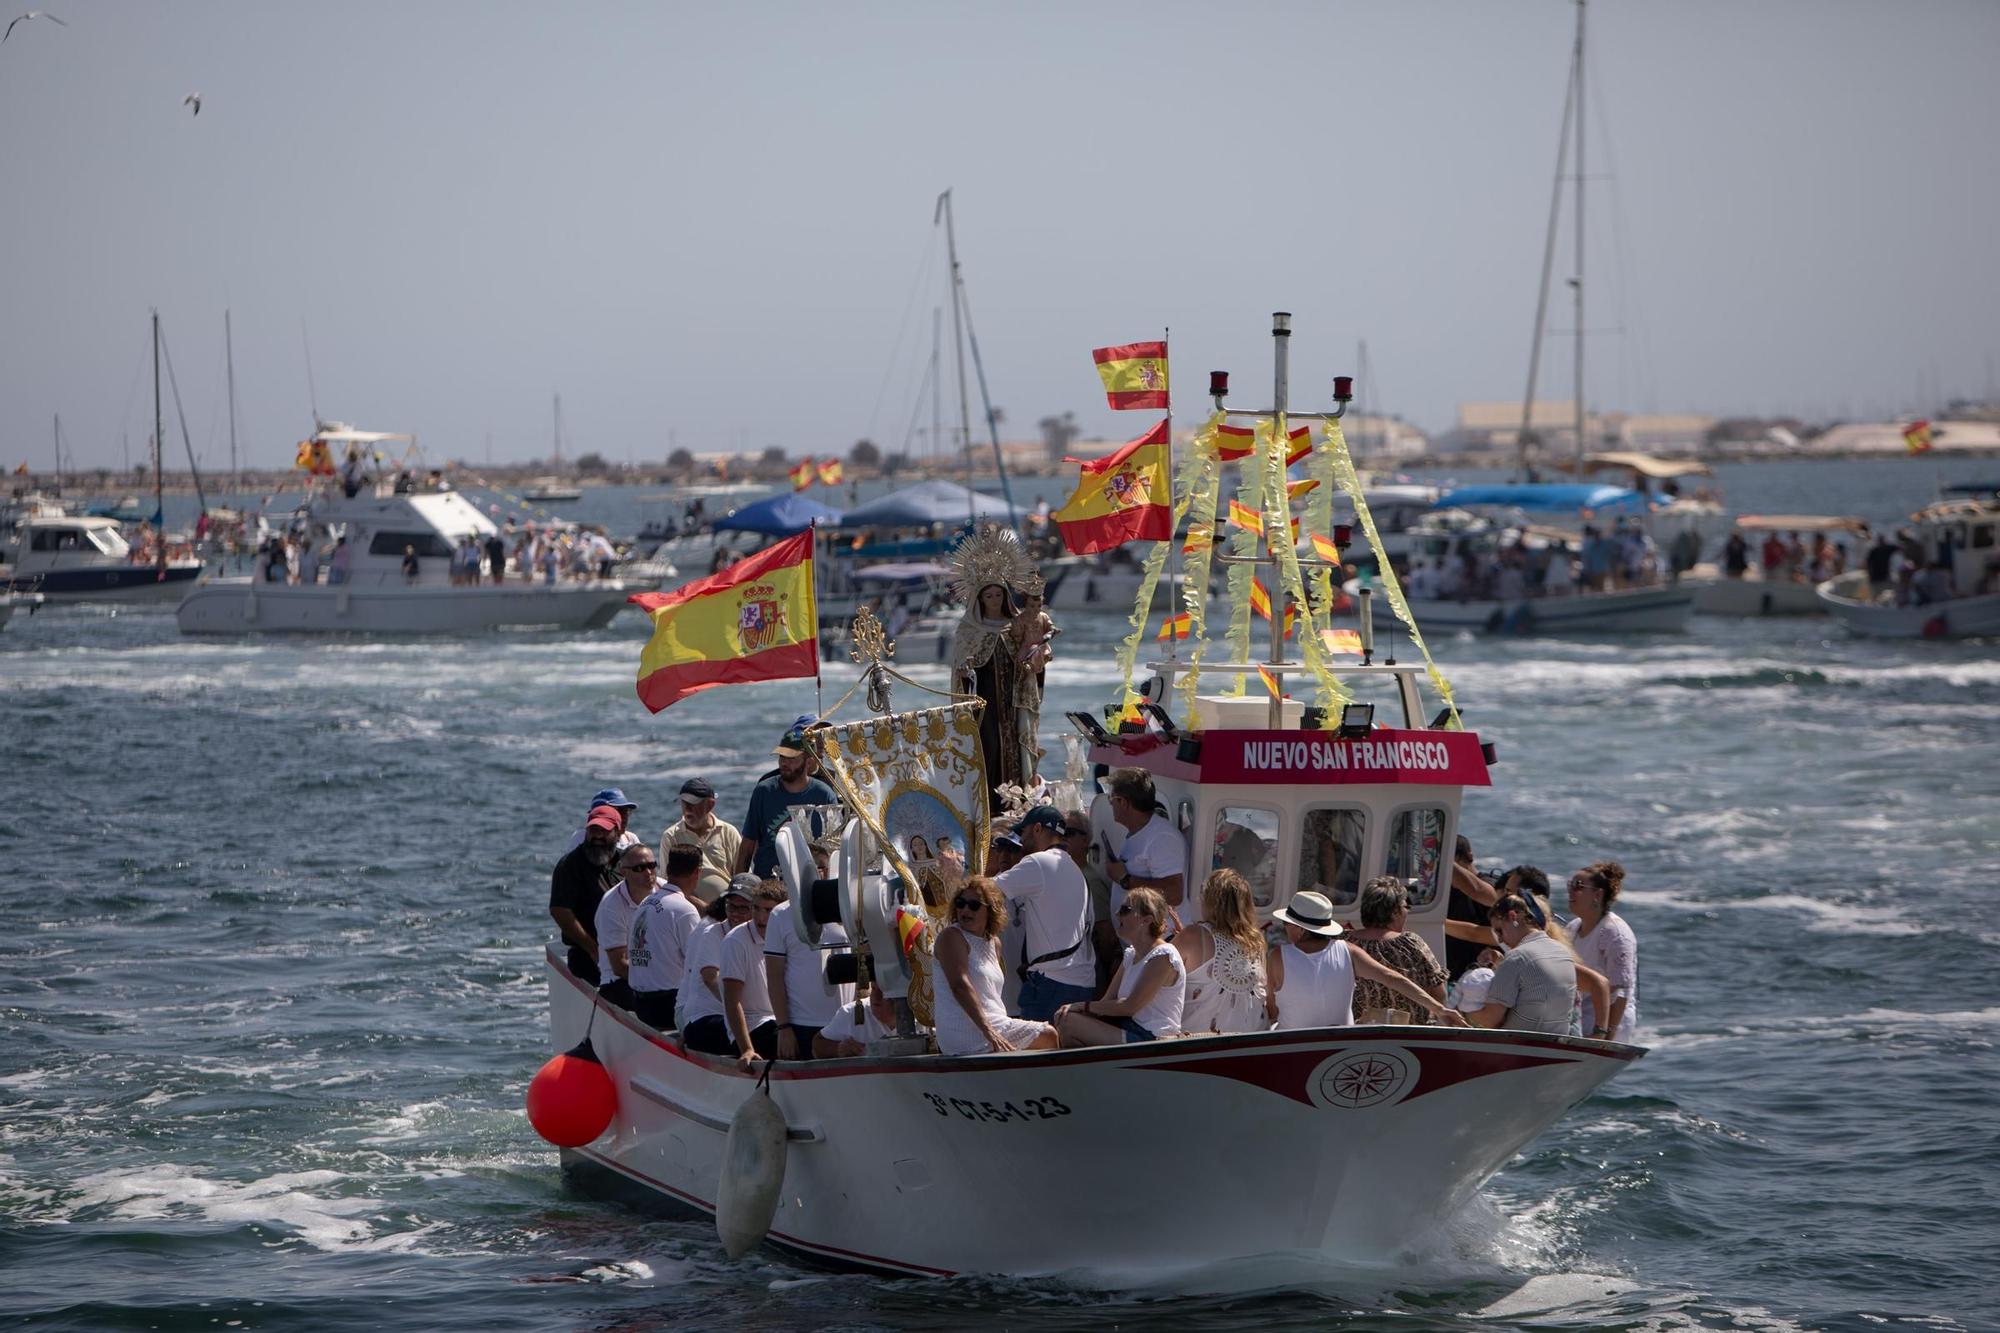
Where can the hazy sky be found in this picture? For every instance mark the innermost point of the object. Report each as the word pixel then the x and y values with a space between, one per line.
pixel 714 221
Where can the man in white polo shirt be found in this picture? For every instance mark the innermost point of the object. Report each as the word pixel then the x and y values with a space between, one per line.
pixel 1052 902
pixel 1154 856
pixel 795 976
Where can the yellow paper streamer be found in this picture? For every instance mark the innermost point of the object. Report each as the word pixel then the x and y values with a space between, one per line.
pixel 1244 543
pixel 1204 479
pixel 1277 520
pixel 1142 608
pixel 1343 467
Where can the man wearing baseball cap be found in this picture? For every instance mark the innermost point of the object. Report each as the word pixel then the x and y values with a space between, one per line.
pixel 772 801
pixel 614 798
pixel 715 838
pixel 1052 902
pixel 577 886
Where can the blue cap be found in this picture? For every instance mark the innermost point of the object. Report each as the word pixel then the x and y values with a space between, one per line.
pixel 1046 816
pixel 612 796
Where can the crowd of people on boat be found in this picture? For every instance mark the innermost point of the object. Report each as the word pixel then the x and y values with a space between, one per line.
pixel 1602 560
pixel 693 933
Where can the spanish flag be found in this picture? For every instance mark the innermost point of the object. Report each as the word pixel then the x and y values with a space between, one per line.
pixel 1917 437
pixel 803 473
pixel 1260 602
pixel 756 620
pixel 1341 640
pixel 1243 516
pixel 1271 683
pixel 1200 537
pixel 831 473
pixel 1293 490
pixel 1134 375
pixel 1176 627
pixel 1122 498
pixel 1236 442
pixel 1325 549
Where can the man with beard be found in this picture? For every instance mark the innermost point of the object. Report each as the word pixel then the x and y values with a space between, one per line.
pixel 771 802
pixel 577 886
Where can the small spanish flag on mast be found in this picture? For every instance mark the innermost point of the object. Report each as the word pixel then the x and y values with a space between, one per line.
pixel 803 473
pixel 1120 498
pixel 1176 627
pixel 756 620
pixel 1917 437
pixel 1270 683
pixel 1243 516
pixel 1238 442
pixel 1325 549
pixel 831 473
pixel 1134 375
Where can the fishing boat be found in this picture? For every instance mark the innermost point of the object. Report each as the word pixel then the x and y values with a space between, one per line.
pixel 1358 1142
pixel 1753 592
pixel 380 524
pixel 1956 595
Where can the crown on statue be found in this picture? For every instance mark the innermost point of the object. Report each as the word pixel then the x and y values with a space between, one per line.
pixel 988 556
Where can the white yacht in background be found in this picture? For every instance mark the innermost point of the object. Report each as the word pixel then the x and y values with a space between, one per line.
pixel 379 526
pixel 68 558
pixel 1956 597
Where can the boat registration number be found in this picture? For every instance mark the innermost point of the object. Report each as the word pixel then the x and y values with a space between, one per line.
pixel 1028 1108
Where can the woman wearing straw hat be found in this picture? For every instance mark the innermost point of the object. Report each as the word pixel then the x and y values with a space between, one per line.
pixel 1312 974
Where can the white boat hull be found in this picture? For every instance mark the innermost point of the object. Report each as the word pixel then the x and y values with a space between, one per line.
pixel 1079 587
pixel 1359 1143
pixel 244 606
pixel 1750 596
pixel 1660 610
pixel 1960 618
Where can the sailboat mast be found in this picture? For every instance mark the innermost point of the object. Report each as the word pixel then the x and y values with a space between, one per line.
pixel 229 360
pixel 159 438
pixel 58 453
pixel 1526 432
pixel 958 346
pixel 1576 283
pixel 937 382
pixel 558 432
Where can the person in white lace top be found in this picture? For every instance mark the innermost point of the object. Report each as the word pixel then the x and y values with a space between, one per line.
pixel 1224 956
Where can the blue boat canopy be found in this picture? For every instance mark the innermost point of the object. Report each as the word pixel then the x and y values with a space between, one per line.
pixel 925 503
pixel 779 516
pixel 1556 498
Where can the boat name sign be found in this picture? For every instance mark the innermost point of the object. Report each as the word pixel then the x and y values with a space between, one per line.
pixel 1444 758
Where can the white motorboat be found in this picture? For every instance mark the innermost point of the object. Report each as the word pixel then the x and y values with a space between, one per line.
pixel 77 559
pixel 1956 597
pixel 377 597
pixel 1752 592
pixel 1108 582
pixel 548 490
pixel 1357 1142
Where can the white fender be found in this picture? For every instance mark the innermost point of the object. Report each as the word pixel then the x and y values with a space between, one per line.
pixel 753 1172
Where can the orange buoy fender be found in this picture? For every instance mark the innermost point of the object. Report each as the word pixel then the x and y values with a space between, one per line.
pixel 572 1099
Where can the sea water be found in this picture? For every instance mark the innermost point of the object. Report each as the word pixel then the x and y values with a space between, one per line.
pixel 273 984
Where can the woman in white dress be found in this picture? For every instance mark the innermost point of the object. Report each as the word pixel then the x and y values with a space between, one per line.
pixel 1148 991
pixel 1224 957
pixel 971 1020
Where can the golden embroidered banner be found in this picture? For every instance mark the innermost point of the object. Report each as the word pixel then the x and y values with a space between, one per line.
pixel 918 781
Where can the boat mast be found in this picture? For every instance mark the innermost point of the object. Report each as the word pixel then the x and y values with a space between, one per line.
pixel 229 360
pixel 961 327
pixel 58 453
pixel 1526 433
pixel 159 436
pixel 958 347
pixel 1281 340
pixel 558 432
pixel 937 383
pixel 1576 283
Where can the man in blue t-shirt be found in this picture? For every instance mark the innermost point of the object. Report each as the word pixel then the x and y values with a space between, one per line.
pixel 771 801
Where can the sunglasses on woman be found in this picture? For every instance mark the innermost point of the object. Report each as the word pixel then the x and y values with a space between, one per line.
pixel 967 904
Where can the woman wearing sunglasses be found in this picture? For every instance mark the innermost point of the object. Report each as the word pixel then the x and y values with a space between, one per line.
pixel 971 1020
pixel 1147 992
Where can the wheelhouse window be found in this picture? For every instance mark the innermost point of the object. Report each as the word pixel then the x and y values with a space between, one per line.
pixel 392 543
pixel 1330 844
pixel 1416 854
pixel 1246 841
pixel 108 540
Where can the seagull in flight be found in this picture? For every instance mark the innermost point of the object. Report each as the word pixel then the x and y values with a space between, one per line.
pixel 31 14
pixel 193 100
